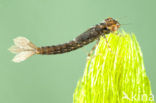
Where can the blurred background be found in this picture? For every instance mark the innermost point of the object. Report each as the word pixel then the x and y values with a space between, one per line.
pixel 53 78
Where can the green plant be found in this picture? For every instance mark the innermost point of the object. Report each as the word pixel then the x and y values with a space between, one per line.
pixel 115 74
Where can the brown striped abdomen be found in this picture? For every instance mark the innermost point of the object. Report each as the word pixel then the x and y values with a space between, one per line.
pixel 62 48
pixel 83 39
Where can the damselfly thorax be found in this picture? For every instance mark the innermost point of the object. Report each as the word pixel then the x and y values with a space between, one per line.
pixel 26 49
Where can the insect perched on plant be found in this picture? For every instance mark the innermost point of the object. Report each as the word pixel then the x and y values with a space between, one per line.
pixel 24 48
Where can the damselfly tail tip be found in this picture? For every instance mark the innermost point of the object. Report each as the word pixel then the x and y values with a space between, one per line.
pixel 23 49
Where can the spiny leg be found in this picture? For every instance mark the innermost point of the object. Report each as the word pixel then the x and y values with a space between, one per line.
pixel 92 50
pixel 90 56
pixel 107 43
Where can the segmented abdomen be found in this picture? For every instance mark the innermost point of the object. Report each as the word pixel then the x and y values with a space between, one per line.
pixel 83 39
pixel 58 49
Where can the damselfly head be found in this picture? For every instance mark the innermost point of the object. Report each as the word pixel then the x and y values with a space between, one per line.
pixel 112 24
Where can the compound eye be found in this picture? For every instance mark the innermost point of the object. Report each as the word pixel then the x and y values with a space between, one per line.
pixel 108 19
pixel 118 25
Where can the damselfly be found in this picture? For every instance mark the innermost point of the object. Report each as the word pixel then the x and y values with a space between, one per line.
pixel 24 48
